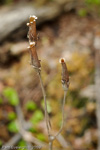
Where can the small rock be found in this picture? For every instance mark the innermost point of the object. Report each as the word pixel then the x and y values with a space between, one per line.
pixel 19 48
pixel 88 92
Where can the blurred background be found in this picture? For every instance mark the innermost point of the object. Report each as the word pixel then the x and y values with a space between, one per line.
pixel 65 28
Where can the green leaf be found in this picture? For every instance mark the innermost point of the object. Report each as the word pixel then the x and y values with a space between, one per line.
pixel 12 127
pixel 30 105
pixel 1 100
pixel 33 130
pixel 22 145
pixel 11 95
pixel 48 106
pixel 11 115
pixel 37 117
pixel 41 137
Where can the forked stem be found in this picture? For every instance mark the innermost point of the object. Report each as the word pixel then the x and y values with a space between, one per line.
pixel 35 62
pixel 48 125
pixel 52 138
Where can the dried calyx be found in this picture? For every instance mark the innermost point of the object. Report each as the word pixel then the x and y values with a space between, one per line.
pixel 32 29
pixel 35 62
pixel 65 75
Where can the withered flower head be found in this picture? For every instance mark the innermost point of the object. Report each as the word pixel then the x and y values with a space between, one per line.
pixel 65 75
pixel 35 62
pixel 33 18
pixel 32 29
pixel 32 44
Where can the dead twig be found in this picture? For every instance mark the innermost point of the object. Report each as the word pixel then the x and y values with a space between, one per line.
pixel 35 62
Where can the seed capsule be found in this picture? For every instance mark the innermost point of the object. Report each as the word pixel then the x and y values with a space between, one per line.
pixel 65 75
pixel 35 62
pixel 32 29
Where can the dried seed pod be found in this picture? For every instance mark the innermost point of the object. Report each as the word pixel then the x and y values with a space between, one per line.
pixel 35 62
pixel 32 29
pixel 65 75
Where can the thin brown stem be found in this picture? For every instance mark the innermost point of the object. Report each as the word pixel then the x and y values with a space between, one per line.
pixel 52 138
pixel 50 145
pixel 62 125
pixel 45 102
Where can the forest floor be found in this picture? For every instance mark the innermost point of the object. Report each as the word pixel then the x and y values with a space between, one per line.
pixel 68 36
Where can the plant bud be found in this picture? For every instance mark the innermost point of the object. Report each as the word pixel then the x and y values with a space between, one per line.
pixel 65 75
pixel 32 29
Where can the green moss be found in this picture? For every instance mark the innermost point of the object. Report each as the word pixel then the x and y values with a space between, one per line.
pixel 82 12
pixel 1 100
pixel 0 143
pixel 93 2
pixel 41 137
pixel 8 1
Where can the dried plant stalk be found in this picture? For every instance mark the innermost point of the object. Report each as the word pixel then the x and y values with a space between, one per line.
pixel 62 125
pixel 48 124
pixel 35 62
pixel 65 84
